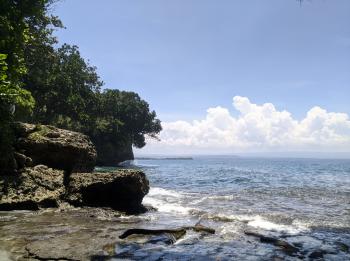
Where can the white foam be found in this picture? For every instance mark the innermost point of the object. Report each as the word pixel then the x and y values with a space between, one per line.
pixel 224 197
pixel 164 206
pixel 220 198
pixel 228 217
pixel 188 239
pixel 229 229
pixel 259 222
pixel 164 192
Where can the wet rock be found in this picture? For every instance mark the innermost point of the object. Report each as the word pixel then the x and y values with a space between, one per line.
pixel 200 228
pixel 166 238
pixel 121 190
pixel 51 234
pixel 176 233
pixel 317 254
pixel 173 234
pixel 283 245
pixel 32 189
pixel 79 245
pixel 342 247
pixel 56 148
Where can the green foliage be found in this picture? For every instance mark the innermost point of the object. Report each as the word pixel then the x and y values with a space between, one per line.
pixel 67 93
pixel 66 89
pixel 18 19
pixel 11 94
pixel 129 115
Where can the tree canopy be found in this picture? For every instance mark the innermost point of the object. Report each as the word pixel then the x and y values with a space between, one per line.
pixel 55 85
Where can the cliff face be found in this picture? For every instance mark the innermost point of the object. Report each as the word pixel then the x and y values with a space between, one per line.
pixel 110 154
pixel 54 165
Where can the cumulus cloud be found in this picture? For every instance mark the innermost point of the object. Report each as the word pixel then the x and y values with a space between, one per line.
pixel 256 128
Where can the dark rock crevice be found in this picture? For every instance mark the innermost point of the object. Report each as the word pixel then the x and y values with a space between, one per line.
pixel 122 190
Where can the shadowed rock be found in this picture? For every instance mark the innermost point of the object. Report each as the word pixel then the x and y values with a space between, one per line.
pixel 177 232
pixel 121 190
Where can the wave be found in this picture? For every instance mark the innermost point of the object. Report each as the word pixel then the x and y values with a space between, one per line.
pixel 164 206
pixel 164 192
pixel 136 164
pixel 218 197
pixel 166 200
pixel 259 222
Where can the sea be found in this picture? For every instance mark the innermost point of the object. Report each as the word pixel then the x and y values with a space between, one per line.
pixel 304 203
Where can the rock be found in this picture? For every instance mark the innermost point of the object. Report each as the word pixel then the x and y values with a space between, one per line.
pixel 56 148
pixel 283 245
pixel 52 234
pixel 33 188
pixel 317 254
pixel 176 233
pixel 22 160
pixel 121 190
pixel 342 247
pixel 166 238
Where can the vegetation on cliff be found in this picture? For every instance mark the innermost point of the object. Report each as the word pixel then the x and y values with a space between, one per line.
pixel 40 83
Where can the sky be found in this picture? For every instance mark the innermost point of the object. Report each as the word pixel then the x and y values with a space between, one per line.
pixel 225 76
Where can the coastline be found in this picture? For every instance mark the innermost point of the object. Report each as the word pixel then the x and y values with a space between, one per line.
pixel 200 208
pixel 250 221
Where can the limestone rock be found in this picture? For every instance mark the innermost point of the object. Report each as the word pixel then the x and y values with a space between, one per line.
pixel 32 189
pixel 121 190
pixel 56 148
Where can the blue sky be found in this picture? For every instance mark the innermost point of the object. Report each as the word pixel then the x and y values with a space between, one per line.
pixel 186 56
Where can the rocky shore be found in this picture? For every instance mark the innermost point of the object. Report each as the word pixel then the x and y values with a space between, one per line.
pixel 52 179
pixel 53 166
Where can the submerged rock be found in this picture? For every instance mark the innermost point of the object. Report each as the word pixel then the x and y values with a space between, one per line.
pixel 176 233
pixel 286 247
pixel 121 190
pixel 56 148
pixel 32 189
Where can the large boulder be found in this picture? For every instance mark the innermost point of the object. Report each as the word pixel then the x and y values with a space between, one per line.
pixel 56 148
pixel 121 190
pixel 32 188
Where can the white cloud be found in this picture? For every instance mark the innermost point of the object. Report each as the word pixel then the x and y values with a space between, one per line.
pixel 257 128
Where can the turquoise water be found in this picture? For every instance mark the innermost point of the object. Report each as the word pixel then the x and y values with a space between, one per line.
pixel 304 201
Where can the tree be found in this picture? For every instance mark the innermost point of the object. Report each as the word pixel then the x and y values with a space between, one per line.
pixel 123 120
pixel 64 88
pixel 130 114
pixel 15 17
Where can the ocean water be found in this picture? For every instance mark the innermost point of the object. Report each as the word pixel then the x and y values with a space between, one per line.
pixel 304 202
